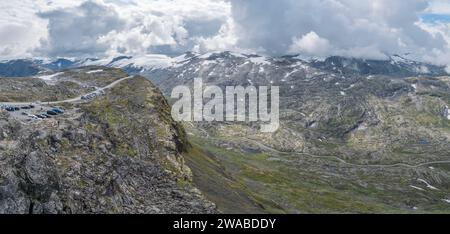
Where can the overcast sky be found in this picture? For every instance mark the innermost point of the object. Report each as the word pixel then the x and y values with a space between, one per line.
pixel 99 28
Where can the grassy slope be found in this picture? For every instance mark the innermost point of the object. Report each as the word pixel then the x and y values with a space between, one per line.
pixel 232 179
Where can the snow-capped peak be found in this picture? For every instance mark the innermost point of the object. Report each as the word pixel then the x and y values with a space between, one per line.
pixel 398 59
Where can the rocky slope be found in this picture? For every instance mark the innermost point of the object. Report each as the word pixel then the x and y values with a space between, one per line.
pixel 118 153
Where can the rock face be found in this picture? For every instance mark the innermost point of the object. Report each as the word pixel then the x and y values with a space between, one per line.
pixel 120 153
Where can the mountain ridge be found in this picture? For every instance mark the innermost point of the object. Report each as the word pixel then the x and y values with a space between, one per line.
pixel 394 64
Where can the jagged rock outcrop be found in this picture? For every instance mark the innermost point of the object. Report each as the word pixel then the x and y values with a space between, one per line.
pixel 120 153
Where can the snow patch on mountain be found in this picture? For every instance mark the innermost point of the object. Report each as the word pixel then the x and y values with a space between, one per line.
pixel 259 60
pixel 418 188
pixel 447 112
pixel 291 73
pixel 50 79
pixel 94 71
pixel 152 61
pixel 94 62
pixel 427 184
pixel 397 59
pixel 206 56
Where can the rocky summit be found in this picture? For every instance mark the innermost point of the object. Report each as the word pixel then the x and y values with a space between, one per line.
pixel 117 151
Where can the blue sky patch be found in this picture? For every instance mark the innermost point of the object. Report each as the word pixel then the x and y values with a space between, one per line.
pixel 435 18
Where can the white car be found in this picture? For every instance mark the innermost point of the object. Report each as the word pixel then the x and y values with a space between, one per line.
pixel 34 117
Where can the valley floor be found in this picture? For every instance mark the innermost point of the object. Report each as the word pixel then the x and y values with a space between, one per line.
pixel 254 179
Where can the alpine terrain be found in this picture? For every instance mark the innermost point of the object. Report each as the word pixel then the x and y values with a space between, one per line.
pixel 355 136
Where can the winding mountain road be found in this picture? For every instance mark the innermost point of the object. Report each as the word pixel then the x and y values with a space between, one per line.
pixel 72 100
pixel 79 98
pixel 268 148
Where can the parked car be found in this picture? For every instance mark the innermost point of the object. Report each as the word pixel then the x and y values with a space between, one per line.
pixel 58 110
pixel 50 112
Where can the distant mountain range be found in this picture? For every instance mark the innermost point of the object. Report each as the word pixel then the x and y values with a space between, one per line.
pixel 396 65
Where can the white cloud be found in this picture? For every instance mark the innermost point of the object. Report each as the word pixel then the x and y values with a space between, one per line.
pixel 310 44
pixel 447 69
pixel 17 33
pixel 21 30
pixel 17 38
pixel 144 36
pixel 108 27
pixel 438 7
pixel 224 40
pixel 75 31
pixel 362 28
pixel 359 28
pixel 313 45
pixel 369 52
pixel 168 26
